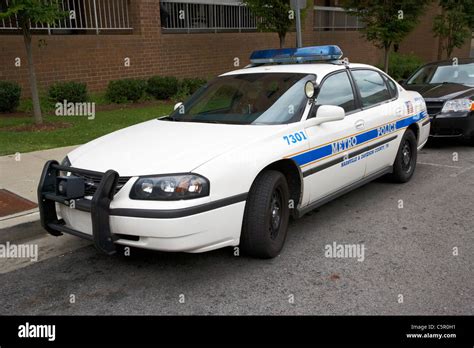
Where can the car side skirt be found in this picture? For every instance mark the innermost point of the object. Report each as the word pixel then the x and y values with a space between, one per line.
pixel 304 210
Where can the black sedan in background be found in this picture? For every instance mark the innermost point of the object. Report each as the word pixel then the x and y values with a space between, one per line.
pixel 448 89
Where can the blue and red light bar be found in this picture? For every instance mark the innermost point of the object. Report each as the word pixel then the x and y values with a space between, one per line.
pixel 297 55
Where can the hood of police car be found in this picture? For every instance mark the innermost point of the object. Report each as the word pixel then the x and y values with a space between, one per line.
pixel 165 147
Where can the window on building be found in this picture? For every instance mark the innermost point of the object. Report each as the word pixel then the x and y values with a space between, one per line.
pixel 333 18
pixel 85 16
pixel 213 16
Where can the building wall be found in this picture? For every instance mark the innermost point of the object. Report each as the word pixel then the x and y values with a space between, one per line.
pixel 353 45
pixel 97 59
pixel 424 44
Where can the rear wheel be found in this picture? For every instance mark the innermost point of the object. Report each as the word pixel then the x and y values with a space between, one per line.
pixel 266 216
pixel 405 162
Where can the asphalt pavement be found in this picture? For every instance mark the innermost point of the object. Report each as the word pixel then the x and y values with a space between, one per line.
pixel 419 260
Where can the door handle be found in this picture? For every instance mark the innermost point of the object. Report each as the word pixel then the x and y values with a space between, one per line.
pixel 360 124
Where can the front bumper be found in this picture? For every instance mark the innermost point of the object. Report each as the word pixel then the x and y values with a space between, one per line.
pixel 193 229
pixel 452 125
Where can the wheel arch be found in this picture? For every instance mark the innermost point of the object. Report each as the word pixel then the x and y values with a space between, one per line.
pixel 294 178
pixel 415 127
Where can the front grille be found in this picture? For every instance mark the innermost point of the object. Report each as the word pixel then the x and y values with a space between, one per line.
pixel 434 107
pixel 92 183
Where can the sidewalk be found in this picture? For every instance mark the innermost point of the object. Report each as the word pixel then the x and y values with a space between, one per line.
pixel 21 176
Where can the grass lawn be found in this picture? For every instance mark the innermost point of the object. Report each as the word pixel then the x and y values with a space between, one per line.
pixel 16 137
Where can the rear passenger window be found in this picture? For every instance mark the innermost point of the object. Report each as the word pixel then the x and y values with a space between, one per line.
pixel 337 90
pixel 392 87
pixel 372 87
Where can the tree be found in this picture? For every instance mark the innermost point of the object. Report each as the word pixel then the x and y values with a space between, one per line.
pixel 453 25
pixel 274 16
pixel 387 22
pixel 27 12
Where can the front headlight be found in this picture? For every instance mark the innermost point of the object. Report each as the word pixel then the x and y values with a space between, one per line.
pixel 170 187
pixel 458 105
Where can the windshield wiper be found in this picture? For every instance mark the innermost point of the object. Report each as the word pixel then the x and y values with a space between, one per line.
pixel 204 121
pixel 452 83
pixel 170 118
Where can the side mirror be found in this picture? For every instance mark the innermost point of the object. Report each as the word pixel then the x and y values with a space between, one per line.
pixel 177 105
pixel 326 113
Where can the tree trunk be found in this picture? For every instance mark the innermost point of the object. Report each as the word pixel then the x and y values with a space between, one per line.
pixel 449 52
pixel 282 40
pixel 441 39
pixel 32 74
pixel 386 58
pixel 440 48
pixel 449 43
pixel 449 47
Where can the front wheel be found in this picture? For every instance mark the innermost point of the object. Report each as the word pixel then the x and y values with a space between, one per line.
pixel 405 162
pixel 266 216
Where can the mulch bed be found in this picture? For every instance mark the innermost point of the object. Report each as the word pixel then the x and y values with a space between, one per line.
pixel 11 203
pixel 14 114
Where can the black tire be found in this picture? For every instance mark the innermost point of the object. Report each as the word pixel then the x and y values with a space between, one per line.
pixel 266 216
pixel 405 162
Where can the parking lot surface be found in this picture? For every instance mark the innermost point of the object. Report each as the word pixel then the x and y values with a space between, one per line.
pixel 418 240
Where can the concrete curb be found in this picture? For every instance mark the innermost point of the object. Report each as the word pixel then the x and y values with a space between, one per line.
pixel 24 231
pixel 19 218
pixel 21 178
pixel 21 226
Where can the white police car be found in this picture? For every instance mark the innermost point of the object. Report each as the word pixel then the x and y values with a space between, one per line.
pixel 295 129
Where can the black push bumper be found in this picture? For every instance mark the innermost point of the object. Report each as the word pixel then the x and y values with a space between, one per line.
pixel 98 206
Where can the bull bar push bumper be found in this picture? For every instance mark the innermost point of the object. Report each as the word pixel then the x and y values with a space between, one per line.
pixel 98 206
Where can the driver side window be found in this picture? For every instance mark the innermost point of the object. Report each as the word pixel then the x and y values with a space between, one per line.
pixel 337 90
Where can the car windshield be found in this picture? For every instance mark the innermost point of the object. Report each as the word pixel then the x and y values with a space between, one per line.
pixel 435 74
pixel 258 98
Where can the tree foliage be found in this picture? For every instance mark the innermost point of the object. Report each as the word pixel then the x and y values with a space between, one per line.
pixel 274 16
pixel 454 24
pixel 33 10
pixel 387 22
pixel 27 12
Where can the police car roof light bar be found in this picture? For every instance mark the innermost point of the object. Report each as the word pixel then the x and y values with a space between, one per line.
pixel 297 55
